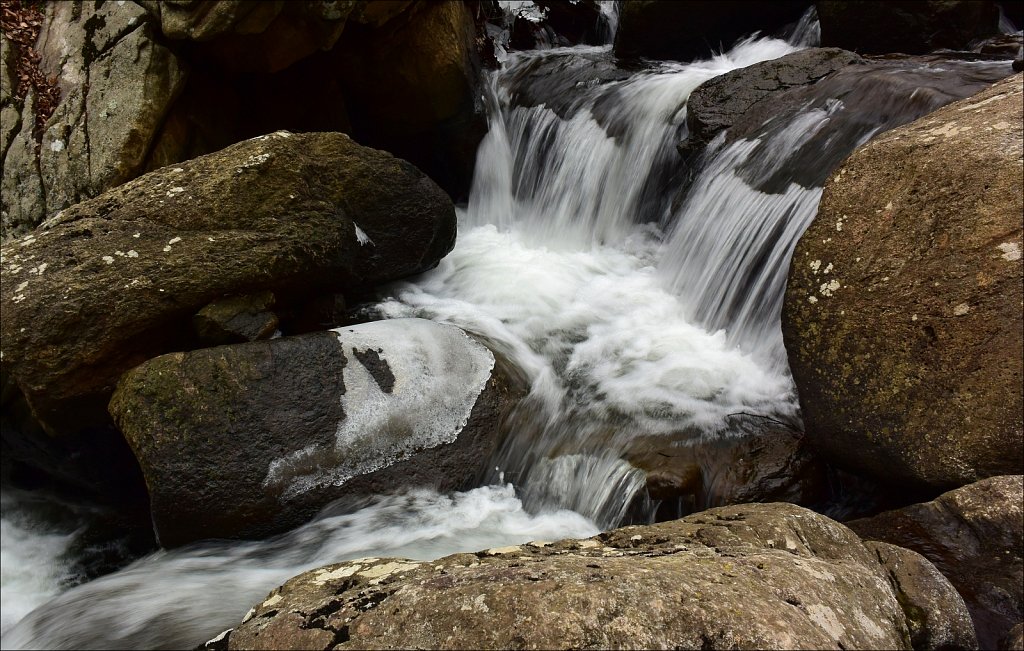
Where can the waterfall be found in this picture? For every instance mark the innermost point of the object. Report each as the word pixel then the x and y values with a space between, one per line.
pixel 632 311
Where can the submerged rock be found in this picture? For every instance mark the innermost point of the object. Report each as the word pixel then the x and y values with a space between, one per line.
pixel 902 317
pixel 753 576
pixel 975 536
pixel 116 280
pixel 881 26
pixel 247 440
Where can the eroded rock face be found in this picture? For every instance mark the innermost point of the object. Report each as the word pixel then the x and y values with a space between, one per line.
pixel 116 85
pixel 902 316
pixel 689 29
pixel 753 576
pixel 116 280
pixel 975 536
pixel 879 27
pixel 247 440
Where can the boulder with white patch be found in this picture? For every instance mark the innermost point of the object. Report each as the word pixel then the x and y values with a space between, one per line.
pixel 755 576
pixel 116 280
pixel 902 316
pixel 246 440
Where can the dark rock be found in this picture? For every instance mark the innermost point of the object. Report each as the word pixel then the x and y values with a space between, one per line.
pixel 412 88
pixel 936 613
pixel 554 80
pixel 116 280
pixel 754 576
pixel 719 102
pixel 910 27
pixel 556 23
pixel 236 319
pixel 902 315
pixel 759 462
pixel 254 35
pixel 272 431
pixel 689 29
pixel 1009 46
pixel 1018 65
pixel 975 536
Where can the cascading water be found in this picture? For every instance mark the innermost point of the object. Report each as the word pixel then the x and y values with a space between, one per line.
pixel 632 313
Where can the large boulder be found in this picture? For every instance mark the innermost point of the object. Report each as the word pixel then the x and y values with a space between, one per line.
pixel 914 27
pixel 116 280
pixel 975 536
pixel 116 84
pixel 691 29
pixel 719 102
pixel 758 576
pixel 902 315
pixel 253 439
pixel 412 88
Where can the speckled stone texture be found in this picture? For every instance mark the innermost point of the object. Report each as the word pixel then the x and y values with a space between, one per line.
pixel 756 576
pixel 903 312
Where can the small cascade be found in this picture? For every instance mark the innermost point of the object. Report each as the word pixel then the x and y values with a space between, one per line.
pixel 633 313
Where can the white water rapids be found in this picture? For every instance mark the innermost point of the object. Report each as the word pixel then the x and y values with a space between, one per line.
pixel 630 312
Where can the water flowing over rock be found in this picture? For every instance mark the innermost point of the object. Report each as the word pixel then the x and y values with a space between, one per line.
pixel 116 280
pixel 975 536
pixel 688 29
pixel 880 27
pixel 116 86
pixel 716 104
pixel 754 576
pixel 270 432
pixel 902 316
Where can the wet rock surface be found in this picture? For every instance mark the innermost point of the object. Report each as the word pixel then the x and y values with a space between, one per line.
pixel 116 280
pixel 247 440
pixel 720 102
pixel 902 316
pixel 761 462
pixel 975 536
pixel 936 613
pixel 752 576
